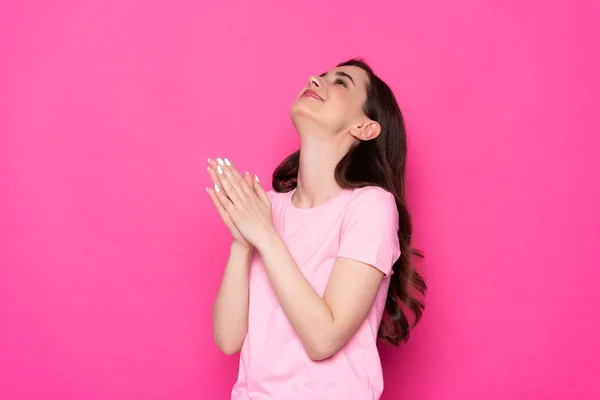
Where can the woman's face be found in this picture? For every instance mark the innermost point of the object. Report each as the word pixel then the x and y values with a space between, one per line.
pixel 331 103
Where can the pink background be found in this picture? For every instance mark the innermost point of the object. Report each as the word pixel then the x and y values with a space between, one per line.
pixel 111 252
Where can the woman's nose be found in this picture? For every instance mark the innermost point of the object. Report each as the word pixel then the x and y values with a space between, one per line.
pixel 314 81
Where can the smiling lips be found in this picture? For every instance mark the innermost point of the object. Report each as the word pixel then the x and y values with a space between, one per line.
pixel 311 93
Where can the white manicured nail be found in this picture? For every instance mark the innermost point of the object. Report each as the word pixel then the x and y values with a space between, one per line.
pixel 217 188
pixel 227 162
pixel 256 176
pixel 209 160
pixel 219 169
pixel 220 161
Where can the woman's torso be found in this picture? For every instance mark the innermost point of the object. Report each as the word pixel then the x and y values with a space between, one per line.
pixel 273 362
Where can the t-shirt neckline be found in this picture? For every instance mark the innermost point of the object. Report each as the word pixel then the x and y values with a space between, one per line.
pixel 318 207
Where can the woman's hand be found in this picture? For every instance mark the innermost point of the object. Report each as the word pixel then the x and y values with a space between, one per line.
pixel 242 203
pixel 235 233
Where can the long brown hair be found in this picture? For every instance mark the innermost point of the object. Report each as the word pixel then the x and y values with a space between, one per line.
pixel 379 162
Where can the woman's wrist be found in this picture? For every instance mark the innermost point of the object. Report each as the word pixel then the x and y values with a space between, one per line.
pixel 270 241
pixel 240 248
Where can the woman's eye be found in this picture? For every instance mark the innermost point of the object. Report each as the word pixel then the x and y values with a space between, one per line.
pixel 340 81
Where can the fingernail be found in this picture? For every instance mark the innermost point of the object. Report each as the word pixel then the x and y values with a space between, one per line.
pixel 219 169
pixel 206 189
pixel 220 161
pixel 256 176
pixel 208 168
pixel 227 162
pixel 247 173
pixel 217 188
pixel 209 160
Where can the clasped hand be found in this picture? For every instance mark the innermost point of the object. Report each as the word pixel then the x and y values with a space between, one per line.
pixel 241 202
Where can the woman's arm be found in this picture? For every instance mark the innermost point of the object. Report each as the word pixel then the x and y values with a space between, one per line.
pixel 230 309
pixel 324 324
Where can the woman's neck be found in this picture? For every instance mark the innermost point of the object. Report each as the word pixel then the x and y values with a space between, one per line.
pixel 316 173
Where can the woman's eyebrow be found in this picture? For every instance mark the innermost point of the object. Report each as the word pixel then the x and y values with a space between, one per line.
pixel 340 73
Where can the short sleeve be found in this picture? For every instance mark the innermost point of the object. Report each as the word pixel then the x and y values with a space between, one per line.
pixel 370 230
pixel 272 195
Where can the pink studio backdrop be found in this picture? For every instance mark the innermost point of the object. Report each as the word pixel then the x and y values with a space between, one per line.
pixel 111 252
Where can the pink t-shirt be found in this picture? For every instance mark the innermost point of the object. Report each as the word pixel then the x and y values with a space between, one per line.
pixel 360 224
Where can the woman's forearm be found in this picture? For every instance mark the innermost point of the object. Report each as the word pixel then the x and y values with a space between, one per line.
pixel 230 309
pixel 308 313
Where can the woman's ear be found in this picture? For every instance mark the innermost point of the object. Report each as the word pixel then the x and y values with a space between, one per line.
pixel 368 130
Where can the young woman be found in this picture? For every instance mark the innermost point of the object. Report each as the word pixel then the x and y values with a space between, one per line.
pixel 320 267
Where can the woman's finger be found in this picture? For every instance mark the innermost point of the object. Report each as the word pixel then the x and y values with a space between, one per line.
pixel 212 171
pixel 248 179
pixel 225 201
pixel 243 184
pixel 220 209
pixel 230 183
pixel 222 162
pixel 221 181
pixel 262 195
pixel 214 176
